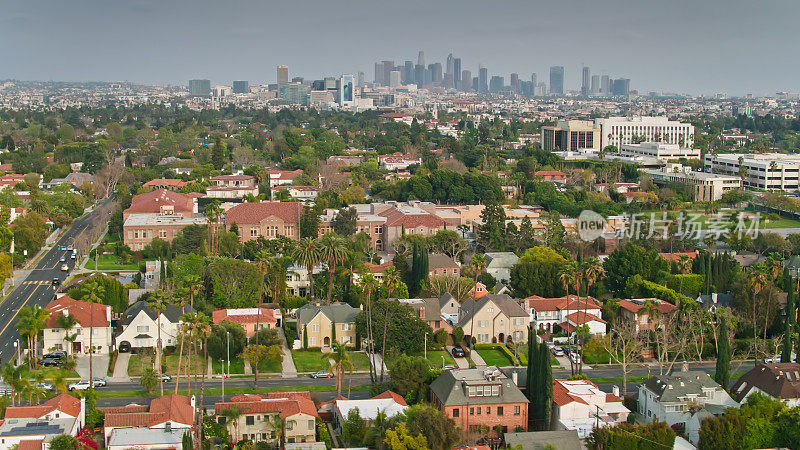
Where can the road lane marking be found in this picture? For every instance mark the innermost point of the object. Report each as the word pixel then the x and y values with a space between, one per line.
pixel 17 311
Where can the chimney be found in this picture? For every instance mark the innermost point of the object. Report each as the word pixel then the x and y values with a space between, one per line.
pixel 685 366
pixel 514 377
pixel 108 314
pixel 168 426
pixel 615 390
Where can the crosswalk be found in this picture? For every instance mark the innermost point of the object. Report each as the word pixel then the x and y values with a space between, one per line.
pixel 37 282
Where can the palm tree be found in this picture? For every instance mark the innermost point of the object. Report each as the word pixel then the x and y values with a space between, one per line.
pixel 203 332
pixel 333 250
pixel 59 380
pixel 684 266
pixel 276 424
pixel 478 265
pixel 180 302
pixel 24 326
pixel 369 285
pixel 232 414
pixel 592 270
pixel 307 254
pixel 39 318
pixel 194 285
pixel 12 377
pixel 391 281
pixel 67 322
pixel 159 302
pixel 341 363
pixel 756 281
pixel 567 278
pixel 93 292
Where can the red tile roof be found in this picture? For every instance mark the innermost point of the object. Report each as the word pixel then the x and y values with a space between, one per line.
pixel 266 316
pixel 559 303
pixel 81 310
pixel 174 182
pixel 677 255
pixel 253 213
pixel 662 306
pixel 62 402
pixel 172 408
pixel 30 444
pixel 581 318
pixel 379 268
pixel 286 403
pixel 151 202
pixel 396 218
pixel 284 174
pixel 389 394
pixel 562 396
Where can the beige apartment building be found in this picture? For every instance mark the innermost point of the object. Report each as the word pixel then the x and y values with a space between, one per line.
pixel 494 319
pixel 315 324
pixel 267 219
pixel 296 410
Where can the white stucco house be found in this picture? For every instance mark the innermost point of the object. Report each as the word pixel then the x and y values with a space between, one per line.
pixel 580 405
pixel 92 318
pixel 139 325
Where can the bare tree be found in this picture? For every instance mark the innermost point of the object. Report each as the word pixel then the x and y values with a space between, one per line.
pixel 625 346
pixel 106 179
pixel 697 324
pixel 670 338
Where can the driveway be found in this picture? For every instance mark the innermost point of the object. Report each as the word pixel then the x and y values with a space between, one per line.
pixel 99 363
pixel 121 368
pixel 288 369
pixel 462 363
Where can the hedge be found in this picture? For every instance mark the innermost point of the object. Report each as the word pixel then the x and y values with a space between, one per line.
pixel 501 347
pixel 693 284
pixel 640 288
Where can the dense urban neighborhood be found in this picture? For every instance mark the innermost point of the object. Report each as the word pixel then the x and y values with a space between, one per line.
pixel 417 262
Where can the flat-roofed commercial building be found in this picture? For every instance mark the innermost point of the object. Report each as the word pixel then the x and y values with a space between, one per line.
pixel 768 171
pixel 628 130
pixel 570 135
pixel 659 150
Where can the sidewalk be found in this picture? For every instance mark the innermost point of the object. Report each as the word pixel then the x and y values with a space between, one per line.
pixel 288 370
pixel 378 362
pixel 476 358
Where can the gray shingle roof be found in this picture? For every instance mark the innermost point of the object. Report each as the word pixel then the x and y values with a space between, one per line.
pixel 335 312
pixel 450 390
pixel 506 304
pixel 440 261
pixel 669 388
pixel 172 313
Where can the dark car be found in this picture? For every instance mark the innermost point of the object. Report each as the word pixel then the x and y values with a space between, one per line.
pixel 55 355
pixel 459 352
pixel 50 362
pixel 124 347
pixel 56 281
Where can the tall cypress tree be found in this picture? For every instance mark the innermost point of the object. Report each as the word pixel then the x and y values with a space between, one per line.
pixel 545 388
pixel 532 385
pixel 723 375
pixel 788 286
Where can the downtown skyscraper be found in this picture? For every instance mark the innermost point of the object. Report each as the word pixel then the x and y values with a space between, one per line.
pixel 557 80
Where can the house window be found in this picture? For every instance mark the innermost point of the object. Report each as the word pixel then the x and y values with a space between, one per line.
pixel 518 321
pixel 221 420
pixel 142 329
pixel 312 342
pixel 346 327
pixel 499 410
pixel 455 413
pixel 250 420
pixel 495 391
pixel 490 310
pixel 253 232
pixel 483 323
pixel 315 328
pixel 516 410
pixel 471 391
pixel 479 410
pixel 290 424
pixel 472 411
pixel 488 410
pixel 162 234
pixel 310 424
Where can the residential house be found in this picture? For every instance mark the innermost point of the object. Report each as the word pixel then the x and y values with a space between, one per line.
pixel 11 180
pixel 480 397
pixel 93 318
pixel 171 184
pixel 646 313
pixel 316 324
pixel 367 222
pixel 449 308
pixel 302 193
pixel 296 410
pixel 378 271
pixel 232 186
pixel 167 413
pixel 581 406
pixel 297 281
pixel 493 318
pixel 441 264
pixel 428 310
pixel 76 181
pixel 345 160
pixel 279 177
pixel 621 188
pixel 395 162
pixel 684 399
pixel 153 202
pixel 499 264
pixel 159 214
pixel 142 438
pixel 478 291
pixel 34 426
pixel 138 326
pixel 779 381
pixel 552 175
pixel 267 219
pixel 388 403
pixel 544 440
pixel 249 318
pixel 402 219
pixel 551 314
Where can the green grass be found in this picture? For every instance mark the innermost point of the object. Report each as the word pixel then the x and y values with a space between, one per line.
pixel 47 372
pixel 313 361
pixel 523 356
pixel 109 263
pixel 229 391
pixel 493 357
pixel 236 366
pixel 781 223
pixel 435 358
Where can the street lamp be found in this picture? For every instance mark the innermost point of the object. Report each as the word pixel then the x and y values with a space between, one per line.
pixel 442 361
pixel 16 346
pixel 426 345
pixel 223 378
pixel 228 343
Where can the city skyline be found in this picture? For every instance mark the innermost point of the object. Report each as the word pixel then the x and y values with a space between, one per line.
pixel 152 43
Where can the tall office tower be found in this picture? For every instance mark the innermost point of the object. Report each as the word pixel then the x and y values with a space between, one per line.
pixel 408 73
pixel 428 79
pixel 360 79
pixel 241 87
pixel 605 85
pixel 346 92
pixel 297 80
pixel 595 89
pixel 620 86
pixel 557 80
pixel 533 79
pixel 421 58
pixel 515 83
pixel 449 65
pixel 200 87
pixel 436 72
pixel 318 85
pixel 388 67
pixel 457 73
pixel 466 81
pixel 496 84
pixel 447 81
pixel 483 79
pixel 379 73
pixel 394 78
pixel 526 88
pixel 585 76
pixel 476 84
pixel 329 84
pixel 419 75
pixel 283 74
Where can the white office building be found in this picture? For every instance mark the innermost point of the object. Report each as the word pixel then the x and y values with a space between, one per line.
pixel 704 186
pixel 628 130
pixel 658 150
pixel 768 171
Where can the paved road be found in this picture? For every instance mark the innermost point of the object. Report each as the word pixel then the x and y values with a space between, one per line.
pixel 37 288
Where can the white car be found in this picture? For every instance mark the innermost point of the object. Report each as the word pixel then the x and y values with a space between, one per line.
pixel 64 267
pixel 165 377
pixel 79 386
pixel 99 382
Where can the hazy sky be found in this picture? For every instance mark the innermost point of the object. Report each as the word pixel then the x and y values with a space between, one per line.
pixel 694 46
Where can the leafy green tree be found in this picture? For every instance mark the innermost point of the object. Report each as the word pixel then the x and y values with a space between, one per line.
pixel 309 223
pixel 399 438
pixel 438 428
pixel 354 429
pixel 218 151
pixel 633 259
pixel 537 273
pixel 233 283
pixel 492 233
pixel 629 436
pixel 405 331
pixel 219 339
pixel 409 375
pixel 344 224
pixel 458 335
pixel 791 313
pixel 149 379
pixel 64 442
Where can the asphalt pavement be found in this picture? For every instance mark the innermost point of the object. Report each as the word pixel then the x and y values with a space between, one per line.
pixel 37 288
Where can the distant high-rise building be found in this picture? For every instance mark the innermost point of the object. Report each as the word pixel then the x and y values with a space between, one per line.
pixel 533 79
pixel 483 79
pixel 346 91
pixel 605 85
pixel 585 76
pixel 408 73
pixel 436 72
pixel 394 78
pixel 283 74
pixel 496 84
pixel 447 81
pixel 200 87
pixel 595 89
pixel 419 75
pixel 421 58
pixel 514 82
pixel 388 67
pixel 621 86
pixel 294 93
pixel 329 84
pixel 379 73
pixel 557 80
pixel 449 65
pixel 360 79
pixel 241 87
pixel 297 80
pixel 457 73
pixel 465 84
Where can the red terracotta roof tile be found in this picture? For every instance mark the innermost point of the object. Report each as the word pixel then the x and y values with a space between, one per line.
pixel 81 310
pixel 253 213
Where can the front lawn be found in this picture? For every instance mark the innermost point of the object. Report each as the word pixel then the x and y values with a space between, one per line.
pixel 494 357
pixel 312 361
pixel 109 263
pixel 435 358
pixel 139 362
pixel 48 372
pixel 523 356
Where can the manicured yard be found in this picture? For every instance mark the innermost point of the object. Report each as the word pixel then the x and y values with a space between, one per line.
pixel 310 361
pixel 494 357
pixel 237 367
pixel 781 223
pixel 523 354
pixel 137 364
pixel 47 372
pixel 107 262
pixel 435 358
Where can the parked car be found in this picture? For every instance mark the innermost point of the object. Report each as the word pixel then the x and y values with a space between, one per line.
pixel 69 247
pixel 99 382
pixel 449 367
pixel 165 377
pixel 63 259
pixel 56 354
pixel 64 267
pixel 320 374
pixel 56 281
pixel 47 386
pixel 772 359
pixel 72 256
pixel 79 386
pixel 125 347
pixel 50 362
pixel 459 352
